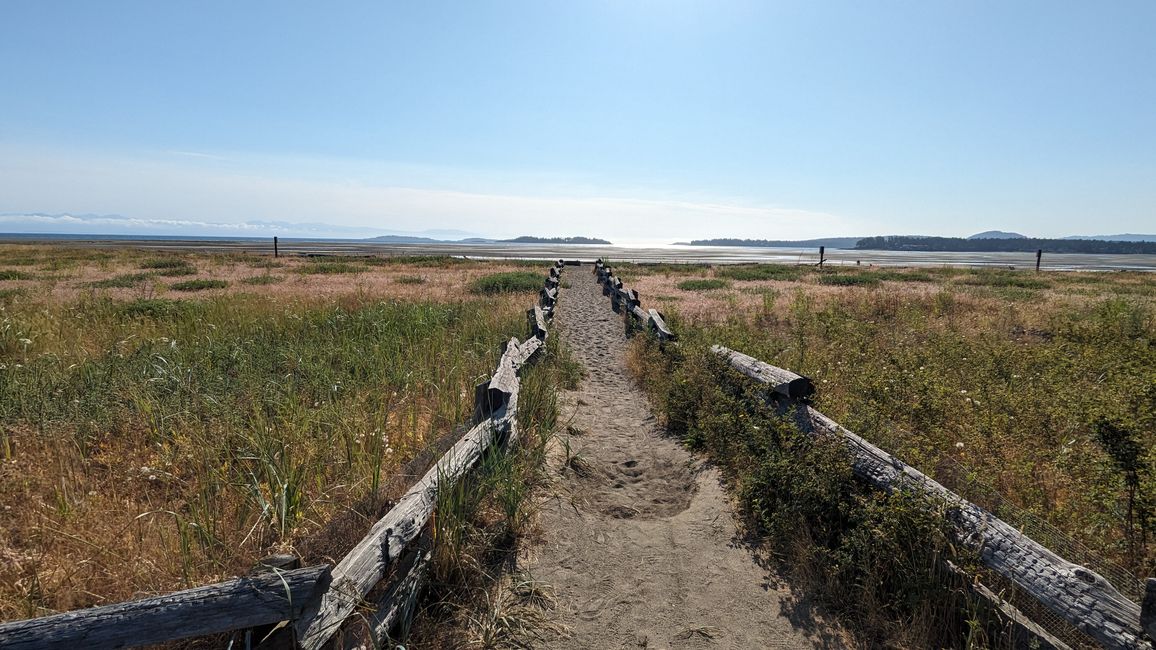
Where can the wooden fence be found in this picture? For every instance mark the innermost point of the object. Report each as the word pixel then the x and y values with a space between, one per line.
pixel 308 606
pixel 1074 593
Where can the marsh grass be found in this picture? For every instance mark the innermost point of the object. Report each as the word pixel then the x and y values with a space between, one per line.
pixel 477 596
pixel 266 279
pixel 754 272
pixel 10 274
pixel 992 386
pixel 708 284
pixel 200 284
pixel 409 279
pixel 123 281
pixel 329 268
pixel 154 443
pixel 508 282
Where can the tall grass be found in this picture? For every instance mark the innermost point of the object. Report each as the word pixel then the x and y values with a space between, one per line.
pixel 192 436
pixel 1049 405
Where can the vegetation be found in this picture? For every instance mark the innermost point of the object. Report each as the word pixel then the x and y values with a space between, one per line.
pixel 1041 411
pixel 263 279
pixel 123 281
pixel 708 284
pixel 199 285
pixel 1010 244
pixel 149 444
pixel 507 282
pixel 9 274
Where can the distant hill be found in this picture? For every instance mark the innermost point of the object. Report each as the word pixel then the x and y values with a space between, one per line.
pixel 1124 237
pixel 1015 245
pixel 997 234
pixel 404 239
pixel 830 242
pixel 554 240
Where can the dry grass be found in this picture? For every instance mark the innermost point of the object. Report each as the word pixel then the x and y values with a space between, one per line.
pixel 152 439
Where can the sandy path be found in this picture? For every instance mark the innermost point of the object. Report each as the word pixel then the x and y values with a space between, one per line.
pixel 640 545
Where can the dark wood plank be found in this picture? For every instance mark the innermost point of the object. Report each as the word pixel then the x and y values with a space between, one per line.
pixel 241 603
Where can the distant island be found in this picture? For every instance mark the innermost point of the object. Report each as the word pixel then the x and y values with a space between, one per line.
pixel 997 234
pixel 554 240
pixel 830 242
pixel 1004 245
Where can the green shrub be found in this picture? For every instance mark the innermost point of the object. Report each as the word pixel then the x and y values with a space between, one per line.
pixel 156 308
pixel 849 279
pixel 329 268
pixel 703 284
pixel 1003 279
pixel 507 282
pixel 263 279
pixel 199 285
pixel 751 272
pixel 124 281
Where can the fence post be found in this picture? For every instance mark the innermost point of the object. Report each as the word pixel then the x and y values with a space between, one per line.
pixel 276 253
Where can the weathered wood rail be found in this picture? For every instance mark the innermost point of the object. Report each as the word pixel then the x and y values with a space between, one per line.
pixel 628 303
pixel 1074 593
pixel 315 601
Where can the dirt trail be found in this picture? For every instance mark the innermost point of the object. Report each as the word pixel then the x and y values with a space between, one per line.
pixel 640 543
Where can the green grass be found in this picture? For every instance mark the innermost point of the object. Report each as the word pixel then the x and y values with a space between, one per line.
pixel 329 268
pixel 848 279
pixel 9 274
pixel 263 279
pixel 705 284
pixel 752 272
pixel 409 279
pixel 9 294
pixel 508 282
pixel 1004 279
pixel 165 263
pixel 124 281
pixel 256 420
pixel 157 308
pixel 199 285
pixel 994 389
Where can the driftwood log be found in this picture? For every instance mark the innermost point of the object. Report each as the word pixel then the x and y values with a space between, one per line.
pixel 783 382
pixel 537 319
pixel 246 602
pixel 1078 595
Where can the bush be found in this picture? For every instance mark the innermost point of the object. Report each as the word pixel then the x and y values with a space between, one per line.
pixel 507 282
pixel 155 308
pixel 125 281
pixel 199 285
pixel 751 272
pixel 849 279
pixel 704 284
pixel 263 279
pixel 329 268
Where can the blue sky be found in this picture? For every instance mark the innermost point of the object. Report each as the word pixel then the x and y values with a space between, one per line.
pixel 632 120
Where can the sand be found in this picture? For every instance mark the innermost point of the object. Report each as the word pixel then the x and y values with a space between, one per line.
pixel 640 541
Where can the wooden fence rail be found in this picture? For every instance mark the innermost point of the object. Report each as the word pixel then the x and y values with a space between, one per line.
pixel 1078 595
pixel 627 302
pixel 316 600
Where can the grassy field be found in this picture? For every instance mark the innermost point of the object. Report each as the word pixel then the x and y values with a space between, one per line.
pixel 1033 394
pixel 166 420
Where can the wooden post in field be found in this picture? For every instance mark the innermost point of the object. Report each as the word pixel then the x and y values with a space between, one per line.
pixel 276 253
pixel 822 249
pixel 1039 254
